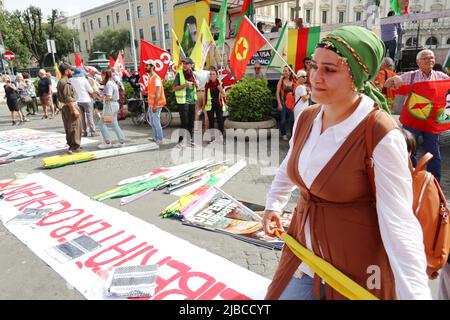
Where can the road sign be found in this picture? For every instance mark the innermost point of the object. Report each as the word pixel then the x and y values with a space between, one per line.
pixel 51 47
pixel 9 56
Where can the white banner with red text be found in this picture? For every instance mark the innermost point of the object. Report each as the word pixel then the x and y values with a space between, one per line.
pixel 84 241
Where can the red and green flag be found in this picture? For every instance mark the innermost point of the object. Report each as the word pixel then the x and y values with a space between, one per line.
pixel 247 10
pixel 301 44
pixel 248 41
pixel 425 108
pixel 400 6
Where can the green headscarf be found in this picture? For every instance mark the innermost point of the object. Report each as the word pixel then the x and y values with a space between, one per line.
pixel 363 51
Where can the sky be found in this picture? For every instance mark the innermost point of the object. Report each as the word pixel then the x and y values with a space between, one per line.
pixel 69 7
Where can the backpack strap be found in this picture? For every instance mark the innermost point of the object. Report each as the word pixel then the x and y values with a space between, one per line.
pixel 423 161
pixel 369 147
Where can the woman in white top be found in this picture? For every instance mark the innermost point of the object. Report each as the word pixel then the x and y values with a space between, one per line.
pixel 342 66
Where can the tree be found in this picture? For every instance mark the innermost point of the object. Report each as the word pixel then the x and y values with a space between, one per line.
pixel 12 38
pixel 35 34
pixel 111 41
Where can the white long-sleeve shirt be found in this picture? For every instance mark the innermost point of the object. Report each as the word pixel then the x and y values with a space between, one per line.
pixel 400 230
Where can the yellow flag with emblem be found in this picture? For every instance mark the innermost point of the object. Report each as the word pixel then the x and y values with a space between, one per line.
pixel 205 41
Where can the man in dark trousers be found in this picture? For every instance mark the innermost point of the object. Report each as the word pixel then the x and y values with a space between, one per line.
pixel 70 112
pixel 185 88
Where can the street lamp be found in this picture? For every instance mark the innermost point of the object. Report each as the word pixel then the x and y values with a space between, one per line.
pixel 133 48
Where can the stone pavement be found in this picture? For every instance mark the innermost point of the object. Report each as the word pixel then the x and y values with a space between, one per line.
pixel 25 276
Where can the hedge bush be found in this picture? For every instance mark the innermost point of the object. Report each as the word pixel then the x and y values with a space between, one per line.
pixel 170 96
pixel 250 100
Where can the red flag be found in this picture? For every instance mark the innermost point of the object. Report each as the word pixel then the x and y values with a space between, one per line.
pixel 112 62
pixel 160 57
pixel 78 61
pixel 120 65
pixel 425 109
pixel 248 41
pixel 245 6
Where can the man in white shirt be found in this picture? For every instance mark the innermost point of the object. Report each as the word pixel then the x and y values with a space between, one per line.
pixel 202 77
pixel 301 94
pixel 84 92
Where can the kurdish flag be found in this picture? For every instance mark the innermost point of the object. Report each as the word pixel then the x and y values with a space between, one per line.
pixel 282 49
pixel 400 6
pixel 301 44
pixel 57 72
pixel 247 42
pixel 425 108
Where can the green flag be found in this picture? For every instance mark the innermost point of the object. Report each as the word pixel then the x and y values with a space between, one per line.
pixel 187 43
pixel 221 23
pixel 282 49
pixel 247 10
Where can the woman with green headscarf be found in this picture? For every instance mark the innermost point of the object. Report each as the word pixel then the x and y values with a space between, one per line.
pixel 377 246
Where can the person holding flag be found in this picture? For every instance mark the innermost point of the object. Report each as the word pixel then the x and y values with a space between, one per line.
pixel 185 87
pixel 425 61
pixel 156 100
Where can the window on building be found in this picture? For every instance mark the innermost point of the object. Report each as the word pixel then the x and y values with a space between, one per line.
pixel 84 27
pixel 99 22
pixel 117 17
pixel 341 17
pixel 108 20
pixel 86 44
pixel 141 34
pixel 92 24
pixel 154 33
pixel 139 12
pixel 358 16
pixel 292 14
pixel 164 5
pixel 432 42
pixel 436 20
pixel 277 11
pixel 411 41
pixel 448 41
pixel 150 8
pixel 308 16
pixel 128 15
pixel 166 31
pixel 324 16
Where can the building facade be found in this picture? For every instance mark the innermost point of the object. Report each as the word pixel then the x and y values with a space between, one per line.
pixel 116 15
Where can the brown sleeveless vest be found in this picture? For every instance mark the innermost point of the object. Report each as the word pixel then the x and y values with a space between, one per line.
pixel 343 218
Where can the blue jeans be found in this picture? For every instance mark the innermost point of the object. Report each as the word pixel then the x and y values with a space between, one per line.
pixel 391 48
pixel 431 145
pixel 115 127
pixel 301 289
pixel 286 119
pixel 155 118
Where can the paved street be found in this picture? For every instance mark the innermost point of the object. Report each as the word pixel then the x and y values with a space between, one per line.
pixel 24 276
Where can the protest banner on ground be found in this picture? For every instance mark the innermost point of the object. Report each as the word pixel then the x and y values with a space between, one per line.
pixel 30 143
pixel 84 241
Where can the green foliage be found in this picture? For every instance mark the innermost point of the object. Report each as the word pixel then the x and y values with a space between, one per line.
pixel 249 100
pixel 111 41
pixel 170 96
pixel 12 38
pixel 33 33
pixel 129 91
pixel 36 85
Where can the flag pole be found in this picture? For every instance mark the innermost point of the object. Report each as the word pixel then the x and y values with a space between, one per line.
pixel 270 45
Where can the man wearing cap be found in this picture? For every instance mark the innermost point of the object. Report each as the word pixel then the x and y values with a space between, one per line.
pixel 70 112
pixel 156 100
pixel 301 93
pixel 85 92
pixel 185 88
pixel 258 74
